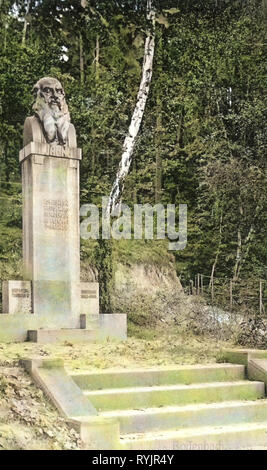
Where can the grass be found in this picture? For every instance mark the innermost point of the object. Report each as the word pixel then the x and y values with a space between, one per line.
pixel 129 252
pixel 146 348
pixel 153 252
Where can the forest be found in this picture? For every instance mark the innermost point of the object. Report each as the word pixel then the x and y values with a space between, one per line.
pixel 202 139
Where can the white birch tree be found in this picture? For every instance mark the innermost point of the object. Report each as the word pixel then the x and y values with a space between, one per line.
pixel 130 139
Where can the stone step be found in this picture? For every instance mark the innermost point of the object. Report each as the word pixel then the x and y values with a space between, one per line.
pixel 72 335
pixel 180 417
pixel 264 447
pixel 51 376
pixel 165 375
pixel 237 436
pixel 156 396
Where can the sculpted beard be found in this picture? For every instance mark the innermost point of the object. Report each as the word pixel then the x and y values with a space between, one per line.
pixel 55 121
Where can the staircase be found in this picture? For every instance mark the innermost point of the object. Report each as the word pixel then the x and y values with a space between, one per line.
pixel 180 407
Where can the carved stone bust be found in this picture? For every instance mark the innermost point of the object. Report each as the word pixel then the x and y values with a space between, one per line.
pixel 51 121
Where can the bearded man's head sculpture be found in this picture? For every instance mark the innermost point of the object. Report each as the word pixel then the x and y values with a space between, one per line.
pixel 51 109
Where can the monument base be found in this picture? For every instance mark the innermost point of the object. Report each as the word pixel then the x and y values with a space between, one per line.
pixel 16 328
pixel 60 336
pixel 49 297
pixel 108 325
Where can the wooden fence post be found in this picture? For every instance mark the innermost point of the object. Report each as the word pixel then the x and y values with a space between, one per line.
pixel 191 287
pixel 201 283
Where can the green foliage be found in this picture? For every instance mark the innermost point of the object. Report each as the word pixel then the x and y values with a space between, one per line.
pixel 104 266
pixel 142 252
pixel 203 136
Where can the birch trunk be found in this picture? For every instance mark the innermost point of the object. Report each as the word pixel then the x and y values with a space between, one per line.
pixel 130 139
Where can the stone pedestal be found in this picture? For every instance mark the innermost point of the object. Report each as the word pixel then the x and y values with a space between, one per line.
pixel 51 239
pixel 51 304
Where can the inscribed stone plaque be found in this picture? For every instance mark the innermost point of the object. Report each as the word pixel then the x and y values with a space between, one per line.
pixel 56 214
pixel 17 297
pixel 89 297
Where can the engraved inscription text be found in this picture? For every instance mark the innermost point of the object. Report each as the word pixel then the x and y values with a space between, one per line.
pixel 88 294
pixel 20 293
pixel 56 214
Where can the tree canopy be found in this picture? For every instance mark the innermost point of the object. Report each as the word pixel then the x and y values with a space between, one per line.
pixel 203 137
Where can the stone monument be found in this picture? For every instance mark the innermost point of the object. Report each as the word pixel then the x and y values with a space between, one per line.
pixel 51 303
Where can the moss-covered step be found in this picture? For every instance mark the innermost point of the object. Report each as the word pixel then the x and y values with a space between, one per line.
pixel 158 415
pixel 180 417
pixel 165 375
pixel 257 370
pixel 242 356
pixel 96 431
pixel 238 436
pixel 179 394
pixel 52 377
